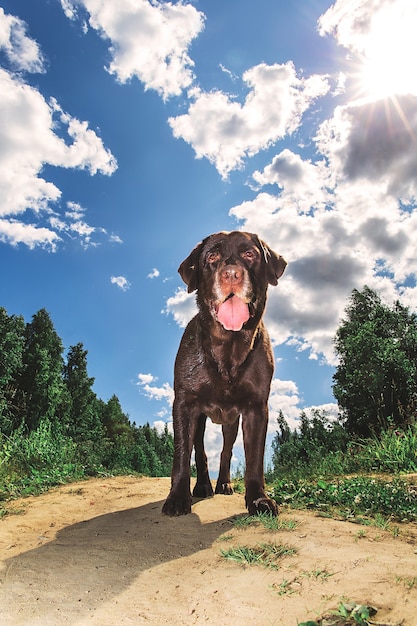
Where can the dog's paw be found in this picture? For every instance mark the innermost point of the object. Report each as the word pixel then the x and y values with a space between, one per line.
pixel 263 505
pixel 203 490
pixel 225 489
pixel 175 506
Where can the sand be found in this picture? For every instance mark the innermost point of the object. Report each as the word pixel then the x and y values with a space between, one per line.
pixel 100 552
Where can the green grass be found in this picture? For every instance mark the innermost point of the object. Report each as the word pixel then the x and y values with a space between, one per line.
pixel 269 522
pixel 35 462
pixel 393 451
pixel 377 498
pixel 264 554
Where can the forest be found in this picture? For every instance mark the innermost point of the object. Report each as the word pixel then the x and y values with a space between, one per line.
pixel 53 427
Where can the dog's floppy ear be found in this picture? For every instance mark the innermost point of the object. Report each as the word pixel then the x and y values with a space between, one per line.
pixel 188 269
pixel 275 263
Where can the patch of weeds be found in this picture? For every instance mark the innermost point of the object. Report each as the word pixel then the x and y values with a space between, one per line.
pixel 243 521
pixel 265 554
pixel 6 510
pixel 395 531
pixel 318 574
pixel 361 534
pixel 227 537
pixel 407 581
pixel 346 613
pixel 383 523
pixel 269 522
pixel 284 588
pixel 287 587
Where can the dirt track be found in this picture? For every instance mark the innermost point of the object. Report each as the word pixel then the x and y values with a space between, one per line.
pixel 100 552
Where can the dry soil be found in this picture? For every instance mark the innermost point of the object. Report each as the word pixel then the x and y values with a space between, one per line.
pixel 100 552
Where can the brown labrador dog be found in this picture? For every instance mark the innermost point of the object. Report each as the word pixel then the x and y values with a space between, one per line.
pixel 224 366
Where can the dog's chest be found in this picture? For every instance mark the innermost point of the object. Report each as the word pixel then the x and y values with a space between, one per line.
pixel 225 400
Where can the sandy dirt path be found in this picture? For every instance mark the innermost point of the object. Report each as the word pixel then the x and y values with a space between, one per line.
pixel 100 552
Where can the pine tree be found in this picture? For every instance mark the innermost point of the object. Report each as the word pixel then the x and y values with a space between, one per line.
pixel 114 420
pixel 84 422
pixel 11 350
pixel 41 380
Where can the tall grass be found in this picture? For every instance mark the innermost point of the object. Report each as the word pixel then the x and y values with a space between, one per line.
pixel 30 463
pixel 394 451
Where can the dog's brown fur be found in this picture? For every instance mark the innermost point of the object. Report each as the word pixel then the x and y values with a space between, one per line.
pixel 224 373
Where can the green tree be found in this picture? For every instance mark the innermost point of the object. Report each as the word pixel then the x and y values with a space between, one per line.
pixel 304 448
pixel 153 451
pixel 119 436
pixel 41 381
pixel 113 419
pixel 375 382
pixel 84 422
pixel 11 349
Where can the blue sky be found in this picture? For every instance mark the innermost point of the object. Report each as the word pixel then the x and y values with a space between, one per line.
pixel 130 130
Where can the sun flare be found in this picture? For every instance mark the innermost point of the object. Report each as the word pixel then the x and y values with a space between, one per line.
pixel 390 53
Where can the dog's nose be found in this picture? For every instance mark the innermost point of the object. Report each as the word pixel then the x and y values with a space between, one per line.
pixel 231 274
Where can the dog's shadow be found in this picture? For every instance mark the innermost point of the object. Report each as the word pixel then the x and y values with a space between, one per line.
pixel 90 562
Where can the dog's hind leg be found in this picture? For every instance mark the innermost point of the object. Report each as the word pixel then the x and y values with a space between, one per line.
pixel 203 487
pixel 224 485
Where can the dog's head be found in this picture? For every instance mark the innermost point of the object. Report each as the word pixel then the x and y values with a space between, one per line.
pixel 231 273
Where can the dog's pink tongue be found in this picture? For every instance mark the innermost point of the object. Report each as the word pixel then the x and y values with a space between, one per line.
pixel 233 313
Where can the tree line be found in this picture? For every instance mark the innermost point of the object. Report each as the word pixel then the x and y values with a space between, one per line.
pixel 48 400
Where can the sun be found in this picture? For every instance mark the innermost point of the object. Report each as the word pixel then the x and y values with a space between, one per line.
pixel 389 54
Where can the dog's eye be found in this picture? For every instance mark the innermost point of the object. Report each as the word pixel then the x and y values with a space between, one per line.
pixel 213 257
pixel 249 255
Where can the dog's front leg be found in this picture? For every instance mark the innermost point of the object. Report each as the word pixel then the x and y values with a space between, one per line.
pixel 254 426
pixel 178 501
pixel 203 487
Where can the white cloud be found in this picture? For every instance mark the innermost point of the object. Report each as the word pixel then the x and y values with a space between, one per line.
pixel 164 393
pixel 302 183
pixel 225 132
pixel 145 379
pixel 149 40
pixel 86 150
pixel 29 141
pixel 154 274
pixel 182 306
pixel 14 232
pixel 160 426
pixel 374 141
pixel 22 51
pixel 121 282
pixel 69 9
pixel 285 397
pixel 74 225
